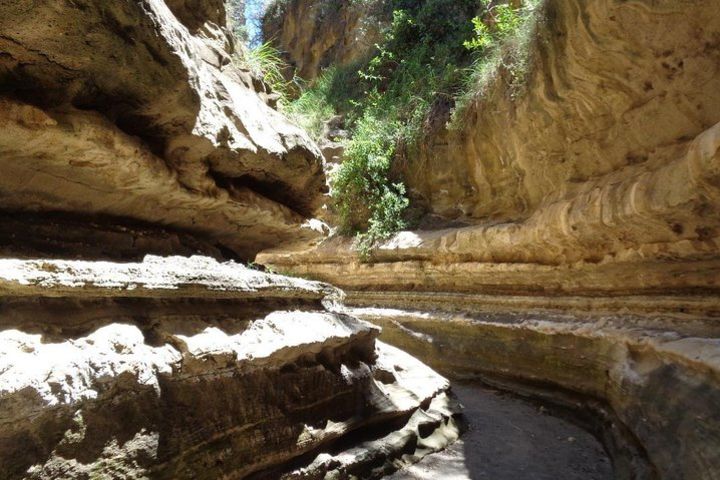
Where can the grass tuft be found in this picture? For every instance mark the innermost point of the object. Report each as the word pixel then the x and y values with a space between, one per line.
pixel 267 62
pixel 505 45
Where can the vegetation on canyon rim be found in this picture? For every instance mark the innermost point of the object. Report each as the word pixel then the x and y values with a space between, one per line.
pixel 431 51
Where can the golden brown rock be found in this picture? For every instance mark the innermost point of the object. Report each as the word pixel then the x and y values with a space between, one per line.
pixel 317 35
pixel 586 183
pixel 614 90
pixel 76 161
pixel 101 100
pixel 588 269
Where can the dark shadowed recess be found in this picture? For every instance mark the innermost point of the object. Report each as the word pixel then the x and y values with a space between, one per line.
pixel 628 456
pixel 374 467
pixel 510 438
pixel 58 319
pixel 66 235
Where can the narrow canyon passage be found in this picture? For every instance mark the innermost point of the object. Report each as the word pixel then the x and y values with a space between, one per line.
pixel 509 439
pixel 360 239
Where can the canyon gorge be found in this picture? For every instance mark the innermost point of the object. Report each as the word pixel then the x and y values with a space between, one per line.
pixel 178 299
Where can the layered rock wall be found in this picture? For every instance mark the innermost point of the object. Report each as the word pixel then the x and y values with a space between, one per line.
pixel 187 368
pixel 137 111
pixel 612 90
pixel 599 174
pixel 127 128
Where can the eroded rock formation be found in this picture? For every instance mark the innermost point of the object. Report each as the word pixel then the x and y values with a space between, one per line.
pixel 187 368
pixel 126 129
pixel 586 267
pixel 587 272
pixel 614 91
pixel 136 111
pixel 601 177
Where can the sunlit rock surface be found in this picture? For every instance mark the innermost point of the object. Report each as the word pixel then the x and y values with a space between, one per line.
pixel 189 368
pixel 587 273
pixel 129 128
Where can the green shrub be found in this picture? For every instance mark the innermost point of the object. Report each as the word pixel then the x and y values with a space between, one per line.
pixel 430 49
pixel 366 201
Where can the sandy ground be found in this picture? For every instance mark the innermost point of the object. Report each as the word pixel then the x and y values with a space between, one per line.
pixel 509 439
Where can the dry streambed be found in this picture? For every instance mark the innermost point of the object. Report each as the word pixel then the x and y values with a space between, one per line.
pixel 646 385
pixel 509 439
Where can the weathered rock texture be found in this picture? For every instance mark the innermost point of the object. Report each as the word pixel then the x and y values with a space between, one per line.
pixel 136 111
pixel 127 128
pixel 616 91
pixel 315 35
pixel 186 368
pixel 653 381
pixel 602 176
pixel 588 269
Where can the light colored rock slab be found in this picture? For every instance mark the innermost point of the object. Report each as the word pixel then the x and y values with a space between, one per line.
pixel 155 276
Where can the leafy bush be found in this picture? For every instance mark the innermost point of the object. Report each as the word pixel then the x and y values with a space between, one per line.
pixel 366 201
pixel 417 61
pixel 503 21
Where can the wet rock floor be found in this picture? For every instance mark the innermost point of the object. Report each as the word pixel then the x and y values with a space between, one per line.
pixel 511 439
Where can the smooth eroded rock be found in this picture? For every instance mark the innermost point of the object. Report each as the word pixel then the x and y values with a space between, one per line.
pixel 138 111
pixel 652 382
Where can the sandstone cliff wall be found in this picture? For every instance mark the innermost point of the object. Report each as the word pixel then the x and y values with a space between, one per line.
pixel 640 376
pixel 125 128
pixel 588 269
pixel 613 90
pixel 316 35
pixel 601 175
pixel 136 111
